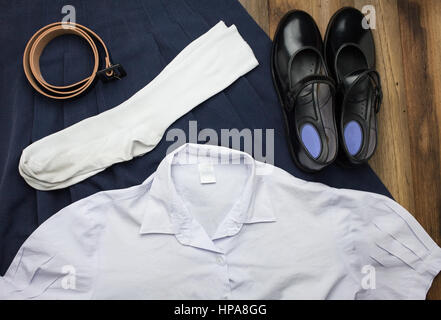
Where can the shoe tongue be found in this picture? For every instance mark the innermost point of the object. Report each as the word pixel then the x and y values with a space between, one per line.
pixel 349 79
pixel 357 90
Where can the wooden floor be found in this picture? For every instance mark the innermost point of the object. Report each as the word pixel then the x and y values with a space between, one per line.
pixel 408 40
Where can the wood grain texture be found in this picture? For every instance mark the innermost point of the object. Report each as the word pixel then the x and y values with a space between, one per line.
pixel 260 12
pixel 420 37
pixel 408 40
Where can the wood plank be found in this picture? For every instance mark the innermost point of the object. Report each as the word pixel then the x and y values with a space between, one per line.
pixel 320 10
pixel 420 41
pixel 392 161
pixel 258 9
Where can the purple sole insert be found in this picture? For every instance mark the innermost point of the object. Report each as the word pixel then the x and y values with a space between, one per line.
pixel 353 137
pixel 311 140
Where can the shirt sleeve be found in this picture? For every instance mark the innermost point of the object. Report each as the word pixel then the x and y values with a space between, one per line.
pixel 58 261
pixel 387 251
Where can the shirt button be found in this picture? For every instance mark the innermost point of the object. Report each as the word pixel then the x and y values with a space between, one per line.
pixel 220 260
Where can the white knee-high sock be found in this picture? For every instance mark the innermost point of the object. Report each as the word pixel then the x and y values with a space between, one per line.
pixel 204 68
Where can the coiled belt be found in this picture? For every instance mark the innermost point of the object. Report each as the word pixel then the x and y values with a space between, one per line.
pixel 36 45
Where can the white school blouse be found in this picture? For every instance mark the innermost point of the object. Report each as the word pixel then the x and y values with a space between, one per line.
pixel 213 223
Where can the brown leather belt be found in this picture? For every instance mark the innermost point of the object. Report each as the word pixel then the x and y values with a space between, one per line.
pixel 36 45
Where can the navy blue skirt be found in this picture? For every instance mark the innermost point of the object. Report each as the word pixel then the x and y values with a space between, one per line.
pixel 144 36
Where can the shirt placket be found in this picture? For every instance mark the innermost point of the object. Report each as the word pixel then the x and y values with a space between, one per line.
pixel 221 261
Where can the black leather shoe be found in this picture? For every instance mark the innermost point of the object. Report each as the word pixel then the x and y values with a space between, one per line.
pixel 306 92
pixel 350 56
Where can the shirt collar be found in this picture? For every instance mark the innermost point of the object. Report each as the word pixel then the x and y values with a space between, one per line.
pixel 166 214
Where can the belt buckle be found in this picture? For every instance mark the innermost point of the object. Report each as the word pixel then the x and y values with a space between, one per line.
pixel 114 72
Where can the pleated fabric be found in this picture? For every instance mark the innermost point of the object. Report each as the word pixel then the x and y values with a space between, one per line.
pixel 144 36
